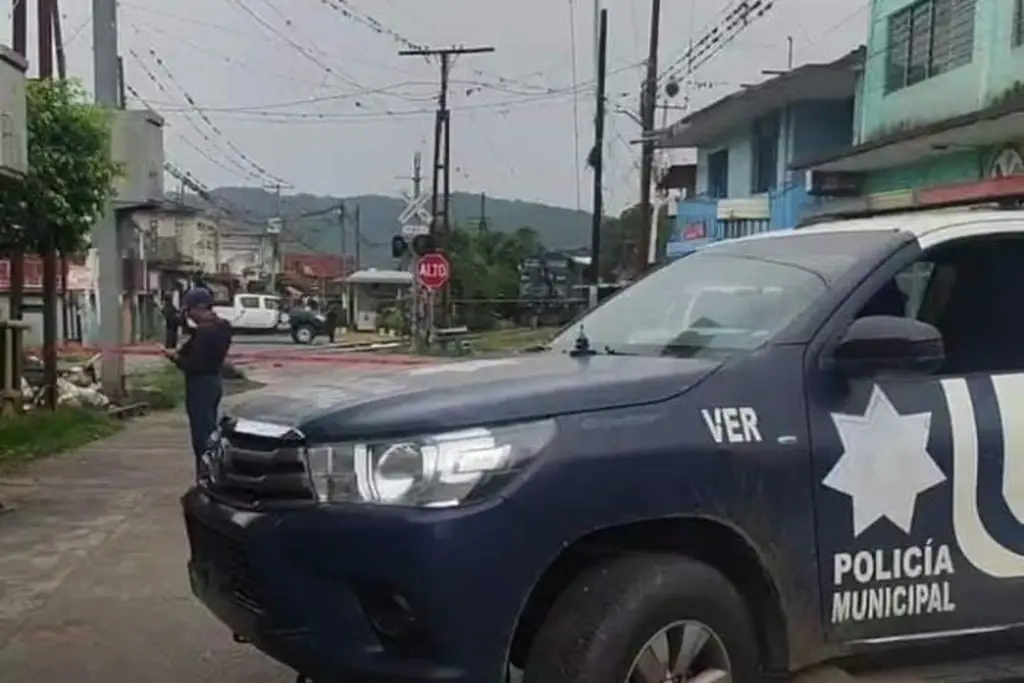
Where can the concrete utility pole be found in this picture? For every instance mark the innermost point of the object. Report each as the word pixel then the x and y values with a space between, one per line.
pixel 105 233
pixel 442 151
pixel 648 105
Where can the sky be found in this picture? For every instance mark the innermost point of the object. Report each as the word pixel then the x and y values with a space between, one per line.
pixel 260 92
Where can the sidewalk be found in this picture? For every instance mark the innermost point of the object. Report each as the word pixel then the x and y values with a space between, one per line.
pixel 92 571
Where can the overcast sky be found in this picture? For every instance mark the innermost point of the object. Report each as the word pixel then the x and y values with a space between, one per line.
pixel 305 94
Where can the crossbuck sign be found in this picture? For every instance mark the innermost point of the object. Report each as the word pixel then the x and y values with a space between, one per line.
pixel 415 218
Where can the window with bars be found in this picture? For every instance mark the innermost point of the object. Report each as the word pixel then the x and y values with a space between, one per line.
pixel 718 174
pixel 1018 23
pixel 929 38
pixel 766 154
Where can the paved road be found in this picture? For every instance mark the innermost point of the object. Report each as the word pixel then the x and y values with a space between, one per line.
pixel 92 581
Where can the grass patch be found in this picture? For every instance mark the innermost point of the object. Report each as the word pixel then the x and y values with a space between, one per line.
pixel 162 388
pixel 514 339
pixel 35 435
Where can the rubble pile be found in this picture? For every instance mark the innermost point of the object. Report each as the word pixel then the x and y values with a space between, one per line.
pixel 77 384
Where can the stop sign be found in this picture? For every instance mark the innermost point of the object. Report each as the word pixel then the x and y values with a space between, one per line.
pixel 433 271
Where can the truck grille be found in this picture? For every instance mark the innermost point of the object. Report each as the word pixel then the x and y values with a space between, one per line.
pixel 260 471
pixel 227 556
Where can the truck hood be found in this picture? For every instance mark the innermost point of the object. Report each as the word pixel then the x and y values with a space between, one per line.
pixel 437 398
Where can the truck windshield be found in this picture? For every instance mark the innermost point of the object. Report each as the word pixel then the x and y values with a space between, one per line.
pixel 708 304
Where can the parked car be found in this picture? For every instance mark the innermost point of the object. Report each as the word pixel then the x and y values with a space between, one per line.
pixel 821 474
pixel 306 325
pixel 252 313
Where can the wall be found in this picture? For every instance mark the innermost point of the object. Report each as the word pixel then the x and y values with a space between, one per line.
pixel 957 167
pixel 996 67
pixel 740 159
pixel 241 251
pixel 33 315
pixel 807 129
pixel 196 235
pixel 820 127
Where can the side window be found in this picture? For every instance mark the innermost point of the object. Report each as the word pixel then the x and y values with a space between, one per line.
pixel 249 301
pixel 270 303
pixel 967 290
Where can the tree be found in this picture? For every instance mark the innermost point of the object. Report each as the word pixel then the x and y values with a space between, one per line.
pixel 619 237
pixel 70 174
pixel 485 272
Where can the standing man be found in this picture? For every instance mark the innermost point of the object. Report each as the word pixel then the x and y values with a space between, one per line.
pixel 331 320
pixel 172 322
pixel 201 359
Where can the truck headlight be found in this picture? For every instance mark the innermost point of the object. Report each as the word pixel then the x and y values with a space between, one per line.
pixel 443 470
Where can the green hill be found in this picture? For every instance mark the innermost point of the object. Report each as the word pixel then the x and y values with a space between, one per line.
pixel 558 228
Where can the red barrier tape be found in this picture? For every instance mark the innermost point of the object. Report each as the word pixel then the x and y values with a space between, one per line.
pixel 247 358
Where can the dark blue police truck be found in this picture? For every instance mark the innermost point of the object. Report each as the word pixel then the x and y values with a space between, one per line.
pixel 821 473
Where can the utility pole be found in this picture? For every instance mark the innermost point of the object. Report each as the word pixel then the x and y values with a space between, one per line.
pixel 16 272
pixel 275 225
pixel 105 237
pixel 359 237
pixel 341 226
pixel 45 19
pixel 58 39
pixel 442 150
pixel 62 74
pixel 415 311
pixel 597 157
pixel 483 212
pixel 648 105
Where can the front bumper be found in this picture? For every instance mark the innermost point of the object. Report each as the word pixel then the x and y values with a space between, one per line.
pixel 368 594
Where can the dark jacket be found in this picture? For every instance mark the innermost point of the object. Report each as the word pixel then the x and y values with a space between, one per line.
pixel 206 349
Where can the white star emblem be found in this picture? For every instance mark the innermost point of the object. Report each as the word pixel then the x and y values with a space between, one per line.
pixel 885 463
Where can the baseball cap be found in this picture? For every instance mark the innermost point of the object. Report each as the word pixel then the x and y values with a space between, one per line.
pixel 199 297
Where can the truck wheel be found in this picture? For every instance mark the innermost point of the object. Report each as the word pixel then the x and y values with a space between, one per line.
pixel 303 334
pixel 647 619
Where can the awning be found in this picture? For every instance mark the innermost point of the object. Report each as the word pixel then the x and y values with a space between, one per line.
pixel 985 128
pixel 833 81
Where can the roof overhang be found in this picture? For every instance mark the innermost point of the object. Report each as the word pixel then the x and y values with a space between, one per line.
pixel 818 82
pixel 977 130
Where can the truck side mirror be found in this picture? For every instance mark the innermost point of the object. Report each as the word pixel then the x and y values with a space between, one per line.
pixel 885 344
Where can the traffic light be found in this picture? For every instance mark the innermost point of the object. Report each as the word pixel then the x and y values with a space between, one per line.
pixel 422 244
pixel 399 246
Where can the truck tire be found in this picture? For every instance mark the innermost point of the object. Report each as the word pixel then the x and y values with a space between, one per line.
pixel 303 334
pixel 631 611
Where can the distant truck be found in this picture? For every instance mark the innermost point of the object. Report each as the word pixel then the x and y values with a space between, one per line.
pixel 253 313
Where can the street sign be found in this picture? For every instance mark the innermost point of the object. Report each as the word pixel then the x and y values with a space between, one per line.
pixel 415 208
pixel 415 229
pixel 433 271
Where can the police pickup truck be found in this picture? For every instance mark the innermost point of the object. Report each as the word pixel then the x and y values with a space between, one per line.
pixel 833 480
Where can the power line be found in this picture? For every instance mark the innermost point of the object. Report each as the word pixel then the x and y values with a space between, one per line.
pixel 259 168
pixel 195 126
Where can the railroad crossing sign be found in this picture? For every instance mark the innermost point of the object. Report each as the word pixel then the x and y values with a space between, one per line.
pixel 415 209
pixel 415 218
pixel 433 271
